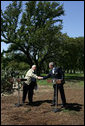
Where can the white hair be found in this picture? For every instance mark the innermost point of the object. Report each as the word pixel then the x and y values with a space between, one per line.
pixel 33 66
pixel 51 63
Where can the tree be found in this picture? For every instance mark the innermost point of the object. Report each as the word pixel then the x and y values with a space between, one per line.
pixel 34 36
pixel 71 53
pixel 80 53
pixel 71 56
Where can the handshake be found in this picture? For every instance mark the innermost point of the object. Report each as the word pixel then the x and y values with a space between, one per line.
pixel 40 78
pixel 19 80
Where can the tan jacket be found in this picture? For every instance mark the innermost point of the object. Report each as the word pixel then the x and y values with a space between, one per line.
pixel 30 75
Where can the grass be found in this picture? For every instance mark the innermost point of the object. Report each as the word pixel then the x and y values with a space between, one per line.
pixel 70 111
pixel 68 74
pixel 71 83
pixel 65 110
pixel 44 82
pixel 71 79
pixel 81 83
pixel 76 74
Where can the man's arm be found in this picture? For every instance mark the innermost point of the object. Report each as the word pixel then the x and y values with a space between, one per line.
pixel 48 76
pixel 23 79
pixel 35 76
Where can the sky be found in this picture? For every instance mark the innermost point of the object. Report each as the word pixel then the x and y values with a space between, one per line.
pixel 73 20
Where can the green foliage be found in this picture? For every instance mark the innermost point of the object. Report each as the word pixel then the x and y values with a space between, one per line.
pixel 35 35
pixel 17 66
pixel 71 54
pixel 6 85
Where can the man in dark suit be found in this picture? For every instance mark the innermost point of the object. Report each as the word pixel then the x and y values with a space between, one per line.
pixel 56 73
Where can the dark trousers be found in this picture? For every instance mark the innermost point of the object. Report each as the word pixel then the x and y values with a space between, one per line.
pixel 28 89
pixel 61 89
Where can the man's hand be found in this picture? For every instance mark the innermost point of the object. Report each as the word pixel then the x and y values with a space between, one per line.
pixel 58 81
pixel 18 80
pixel 40 78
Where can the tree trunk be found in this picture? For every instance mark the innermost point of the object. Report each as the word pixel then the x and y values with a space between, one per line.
pixel 67 70
pixel 74 71
pixel 71 71
pixel 38 70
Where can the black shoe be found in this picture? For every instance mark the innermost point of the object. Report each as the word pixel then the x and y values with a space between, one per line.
pixel 63 105
pixel 30 103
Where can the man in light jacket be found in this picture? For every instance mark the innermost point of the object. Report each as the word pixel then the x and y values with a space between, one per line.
pixel 30 84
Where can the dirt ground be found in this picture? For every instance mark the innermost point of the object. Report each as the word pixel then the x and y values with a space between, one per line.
pixel 41 113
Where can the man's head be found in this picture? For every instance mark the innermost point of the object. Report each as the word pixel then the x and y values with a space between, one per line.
pixel 51 65
pixel 34 67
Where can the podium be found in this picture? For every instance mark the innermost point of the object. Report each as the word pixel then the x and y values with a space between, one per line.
pixel 56 82
pixel 56 100
pixel 18 104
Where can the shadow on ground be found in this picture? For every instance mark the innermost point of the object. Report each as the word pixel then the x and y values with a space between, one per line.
pixel 73 106
pixel 69 106
pixel 38 103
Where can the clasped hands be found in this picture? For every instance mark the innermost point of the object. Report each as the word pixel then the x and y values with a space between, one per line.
pixel 40 78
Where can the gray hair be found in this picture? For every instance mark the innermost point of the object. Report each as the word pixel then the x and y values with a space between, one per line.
pixel 33 66
pixel 51 63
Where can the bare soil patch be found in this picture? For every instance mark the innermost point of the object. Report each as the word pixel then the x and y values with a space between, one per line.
pixel 41 113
